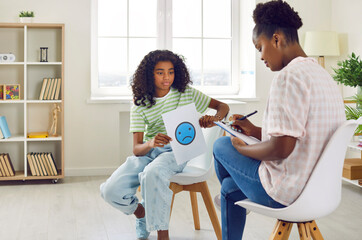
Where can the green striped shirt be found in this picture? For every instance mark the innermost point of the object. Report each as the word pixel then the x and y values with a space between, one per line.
pixel 149 120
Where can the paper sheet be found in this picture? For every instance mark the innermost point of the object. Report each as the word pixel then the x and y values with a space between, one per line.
pixel 249 140
pixel 182 125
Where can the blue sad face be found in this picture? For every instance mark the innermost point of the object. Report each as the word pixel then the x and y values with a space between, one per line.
pixel 185 133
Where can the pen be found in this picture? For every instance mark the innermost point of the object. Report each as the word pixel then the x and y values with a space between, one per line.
pixel 243 118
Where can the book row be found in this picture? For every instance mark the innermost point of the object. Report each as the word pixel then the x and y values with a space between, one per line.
pixel 42 164
pixel 4 128
pixel 6 166
pixel 50 89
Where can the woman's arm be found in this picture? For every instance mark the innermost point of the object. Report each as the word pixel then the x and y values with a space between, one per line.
pixel 222 110
pixel 276 148
pixel 141 148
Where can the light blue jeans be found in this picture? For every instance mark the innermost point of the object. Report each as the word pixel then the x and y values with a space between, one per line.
pixel 239 178
pixel 152 171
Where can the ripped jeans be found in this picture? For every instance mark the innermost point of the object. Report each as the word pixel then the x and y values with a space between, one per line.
pixel 152 171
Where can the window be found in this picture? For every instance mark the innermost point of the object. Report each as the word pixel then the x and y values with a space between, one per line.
pixel 206 32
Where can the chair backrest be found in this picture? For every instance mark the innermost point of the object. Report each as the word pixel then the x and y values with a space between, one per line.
pixel 322 193
pixel 205 160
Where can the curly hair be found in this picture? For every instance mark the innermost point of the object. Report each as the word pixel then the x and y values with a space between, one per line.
pixel 276 15
pixel 142 83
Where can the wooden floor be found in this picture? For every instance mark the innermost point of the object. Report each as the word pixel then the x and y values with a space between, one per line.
pixel 73 209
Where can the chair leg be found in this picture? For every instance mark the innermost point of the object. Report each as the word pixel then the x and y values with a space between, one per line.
pixel 195 210
pixel 175 189
pixel 314 231
pixel 304 232
pixel 211 209
pixel 281 230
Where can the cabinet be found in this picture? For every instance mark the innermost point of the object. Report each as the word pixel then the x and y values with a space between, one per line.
pixel 29 114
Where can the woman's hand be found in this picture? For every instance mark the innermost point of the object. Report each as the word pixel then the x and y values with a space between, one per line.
pixel 159 140
pixel 208 121
pixel 237 142
pixel 244 126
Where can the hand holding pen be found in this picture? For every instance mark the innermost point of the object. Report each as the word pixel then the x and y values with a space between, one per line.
pixel 240 123
pixel 240 117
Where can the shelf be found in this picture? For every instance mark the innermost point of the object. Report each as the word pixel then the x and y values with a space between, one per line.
pixel 44 101
pixel 354 145
pixel 44 63
pixel 11 63
pixel 44 139
pixel 11 101
pixel 19 175
pixel 354 182
pixel 15 138
pixel 30 114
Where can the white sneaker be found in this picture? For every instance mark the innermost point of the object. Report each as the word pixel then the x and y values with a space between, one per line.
pixel 217 202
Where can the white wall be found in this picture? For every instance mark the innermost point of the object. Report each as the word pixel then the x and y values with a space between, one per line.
pixel 97 138
pixel 346 19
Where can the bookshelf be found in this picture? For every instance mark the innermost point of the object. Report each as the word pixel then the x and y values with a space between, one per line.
pixel 29 114
pixel 354 146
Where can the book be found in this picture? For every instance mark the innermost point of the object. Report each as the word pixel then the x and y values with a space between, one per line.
pixel 1 134
pixel 52 163
pixel 9 164
pixel 3 166
pixel 2 170
pixel 45 97
pixel 46 163
pixel 42 90
pixel 4 127
pixel 31 164
pixel 247 139
pixel 41 164
pixel 36 162
pixel 1 92
pixel 50 89
pixel 57 93
pixel 52 95
pixel 37 135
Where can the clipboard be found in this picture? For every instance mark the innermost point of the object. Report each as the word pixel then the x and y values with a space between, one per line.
pixel 247 139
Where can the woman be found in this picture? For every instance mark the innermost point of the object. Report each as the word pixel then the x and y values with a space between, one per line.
pixel 303 110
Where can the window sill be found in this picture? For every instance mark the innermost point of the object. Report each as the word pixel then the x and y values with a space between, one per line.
pixel 125 102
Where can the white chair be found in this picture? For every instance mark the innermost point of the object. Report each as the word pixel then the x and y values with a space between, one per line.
pixel 321 195
pixel 193 179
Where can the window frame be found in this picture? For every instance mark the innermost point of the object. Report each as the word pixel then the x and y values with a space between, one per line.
pixel 164 41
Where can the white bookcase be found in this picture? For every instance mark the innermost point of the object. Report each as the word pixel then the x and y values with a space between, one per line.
pixel 29 114
pixel 354 146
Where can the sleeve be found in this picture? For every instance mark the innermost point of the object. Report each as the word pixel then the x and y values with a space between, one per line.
pixel 288 106
pixel 201 100
pixel 137 121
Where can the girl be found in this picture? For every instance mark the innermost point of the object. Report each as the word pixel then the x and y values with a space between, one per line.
pixel 160 84
pixel 304 108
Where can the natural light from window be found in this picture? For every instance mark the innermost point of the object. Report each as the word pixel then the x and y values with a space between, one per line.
pixel 205 32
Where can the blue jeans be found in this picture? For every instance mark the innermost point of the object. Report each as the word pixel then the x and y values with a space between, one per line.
pixel 239 178
pixel 152 171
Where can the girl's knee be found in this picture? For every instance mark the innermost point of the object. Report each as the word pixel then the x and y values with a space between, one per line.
pixel 106 192
pixel 149 174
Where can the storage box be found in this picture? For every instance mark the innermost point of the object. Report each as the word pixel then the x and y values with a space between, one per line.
pixel 352 168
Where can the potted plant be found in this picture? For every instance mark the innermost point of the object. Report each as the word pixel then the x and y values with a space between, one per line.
pixel 26 16
pixel 349 73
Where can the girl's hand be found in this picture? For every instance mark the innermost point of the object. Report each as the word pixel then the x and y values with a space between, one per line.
pixel 244 126
pixel 237 142
pixel 159 140
pixel 208 121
